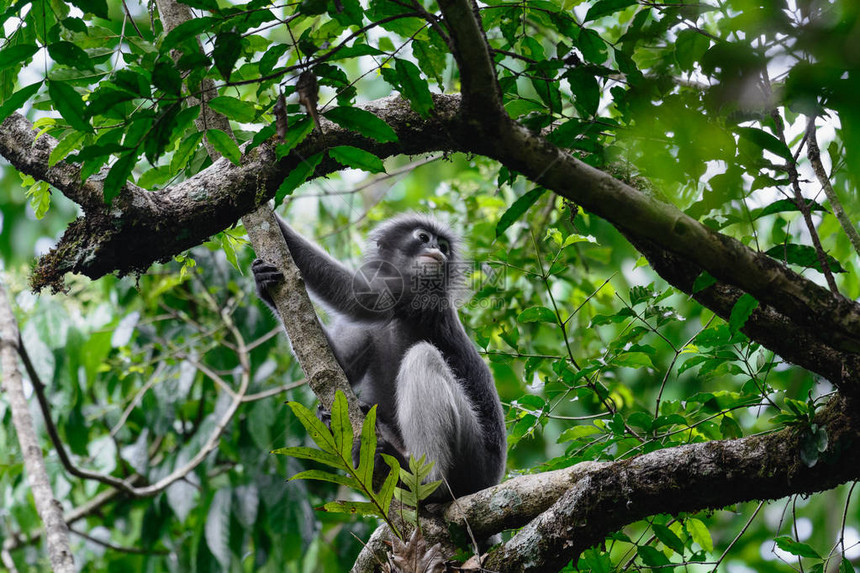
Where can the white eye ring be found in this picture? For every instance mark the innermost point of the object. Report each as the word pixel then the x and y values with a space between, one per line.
pixel 421 235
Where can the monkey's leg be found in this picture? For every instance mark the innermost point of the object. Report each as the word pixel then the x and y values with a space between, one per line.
pixel 436 418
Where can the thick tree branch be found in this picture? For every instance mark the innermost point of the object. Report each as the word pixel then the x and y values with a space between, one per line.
pixel 50 510
pixel 142 227
pixel 798 344
pixel 147 226
pixel 688 478
pixel 564 512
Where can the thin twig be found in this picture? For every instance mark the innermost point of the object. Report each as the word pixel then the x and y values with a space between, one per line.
pixel 814 155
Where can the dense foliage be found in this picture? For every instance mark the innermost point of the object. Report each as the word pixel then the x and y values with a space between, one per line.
pixel 706 105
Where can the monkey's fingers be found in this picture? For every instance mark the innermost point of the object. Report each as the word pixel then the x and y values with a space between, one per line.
pixel 265 273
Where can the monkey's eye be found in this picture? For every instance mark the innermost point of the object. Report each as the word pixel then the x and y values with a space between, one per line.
pixel 421 236
pixel 443 246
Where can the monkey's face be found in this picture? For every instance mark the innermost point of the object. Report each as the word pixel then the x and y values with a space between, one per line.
pixel 424 255
pixel 428 248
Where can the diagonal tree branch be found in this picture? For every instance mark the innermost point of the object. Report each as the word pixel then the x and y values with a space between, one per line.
pixel 482 96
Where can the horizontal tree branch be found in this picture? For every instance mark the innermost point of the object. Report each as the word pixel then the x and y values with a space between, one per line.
pixel 142 227
pixel 689 478
pixel 564 512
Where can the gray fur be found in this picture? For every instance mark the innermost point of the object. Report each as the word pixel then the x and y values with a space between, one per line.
pixel 436 395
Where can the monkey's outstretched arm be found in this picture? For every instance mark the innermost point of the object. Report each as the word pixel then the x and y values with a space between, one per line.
pixel 330 281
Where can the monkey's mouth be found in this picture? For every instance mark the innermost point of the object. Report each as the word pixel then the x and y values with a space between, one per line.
pixel 431 258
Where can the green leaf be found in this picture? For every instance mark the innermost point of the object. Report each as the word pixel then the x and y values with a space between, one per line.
pixel 298 176
pixel 730 429
pixel 40 198
pixel 316 429
pixel 166 77
pixel 158 137
pixel 357 158
pixel 703 281
pixel 70 105
pixel 187 30
pixel 414 87
pixel 106 99
pixel 576 433
pixel 363 122
pixel 185 151
pixel 633 360
pixel 796 548
pixel 786 205
pixel 350 507
pixel 598 561
pixel 652 557
pixel 322 475
pixel 803 256
pixel 69 142
pixel 68 54
pixel 606 7
pixel 700 534
pixel 690 46
pixel 341 428
pixel 217 527
pixel 586 92
pixel 766 141
pixel 224 145
pixel 118 176
pixel 270 58
pixel 15 55
pixel 668 538
pixel 431 56
pixel 295 135
pixel 367 451
pixel 234 108
pixel 537 314
pixel 741 311
pixel 592 46
pixel 96 7
pixel 228 47
pixel 17 99
pixel 519 207
pixel 386 492
pixel 314 454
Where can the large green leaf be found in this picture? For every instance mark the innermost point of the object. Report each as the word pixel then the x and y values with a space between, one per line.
pixel 15 55
pixel 70 105
pixel 414 87
pixel 18 99
pixel 357 158
pixel 234 108
pixel 363 122
pixel 803 256
pixel 297 176
pixel 516 211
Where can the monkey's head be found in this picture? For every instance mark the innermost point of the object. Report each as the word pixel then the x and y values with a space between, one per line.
pixel 426 254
